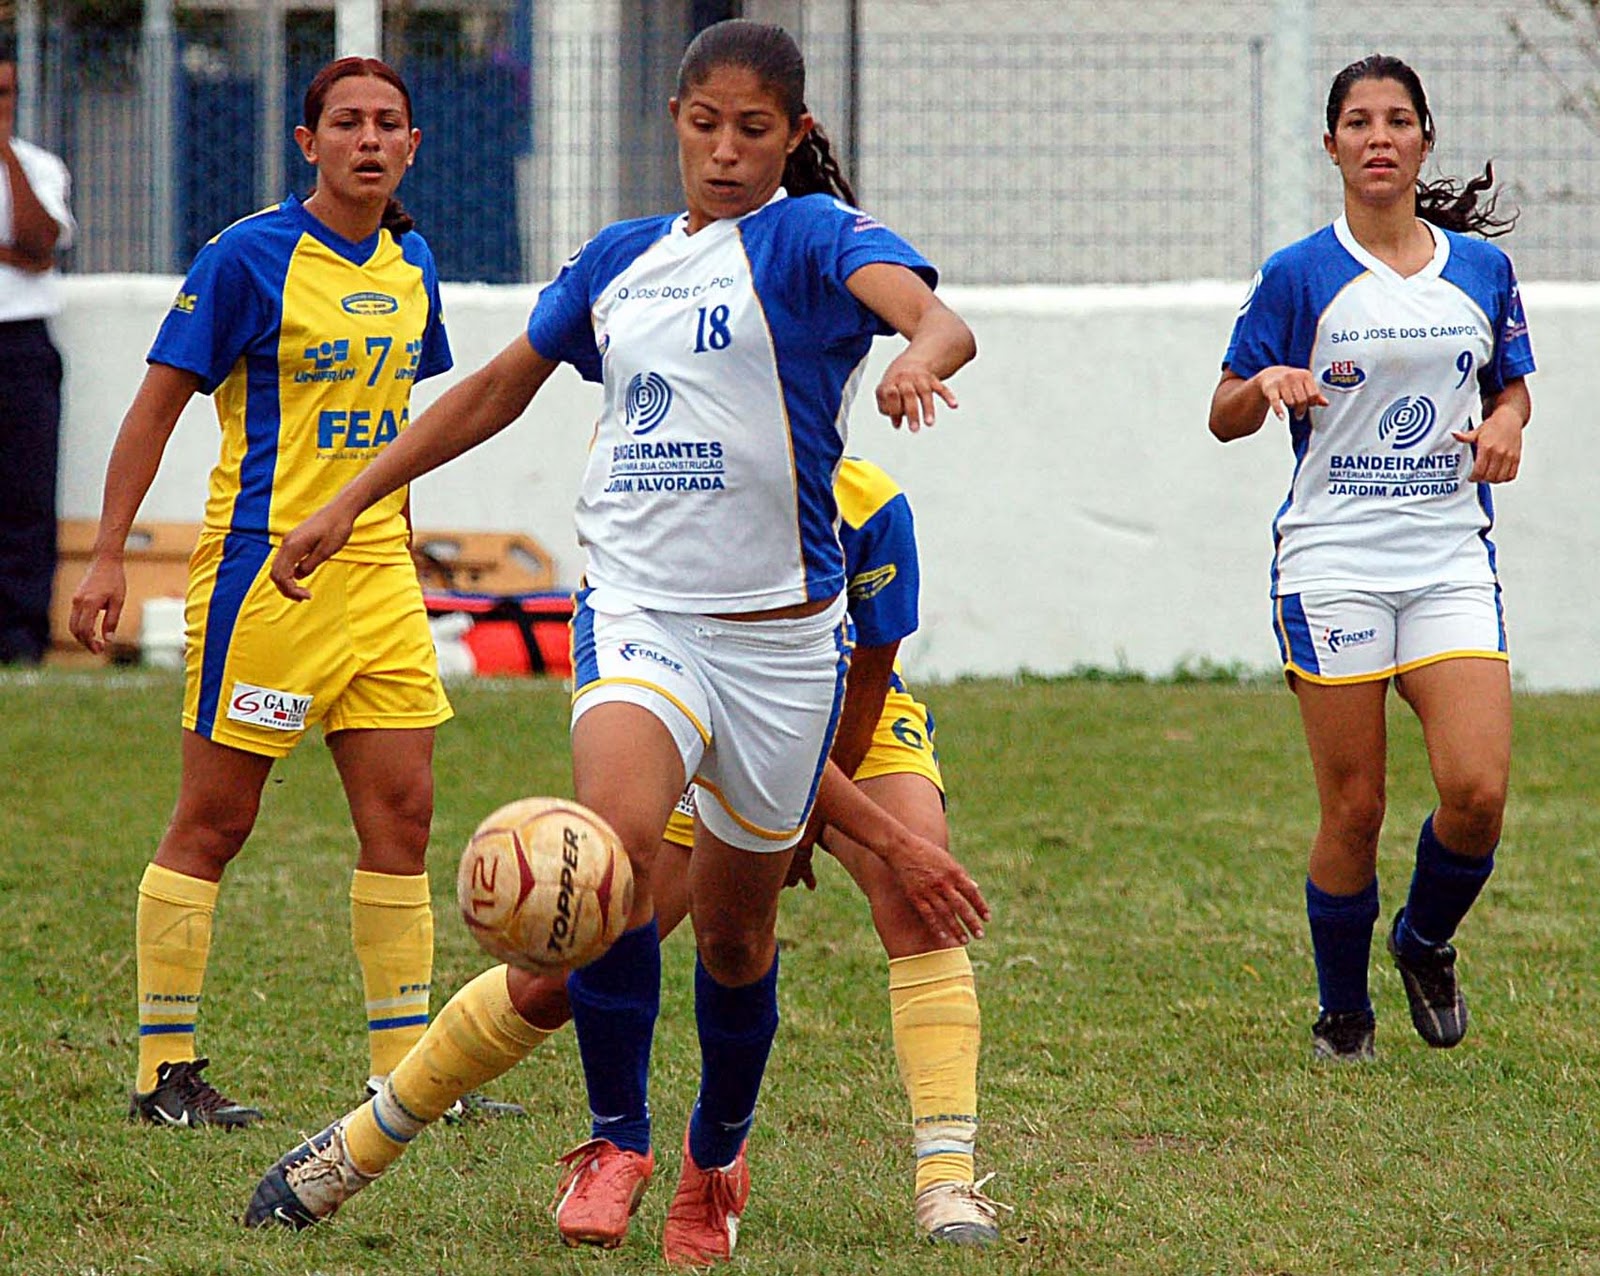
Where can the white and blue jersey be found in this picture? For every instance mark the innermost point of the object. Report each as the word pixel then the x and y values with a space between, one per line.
pixel 1380 498
pixel 729 359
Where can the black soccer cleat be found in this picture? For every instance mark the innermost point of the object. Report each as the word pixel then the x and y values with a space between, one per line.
pixel 183 1097
pixel 1438 1010
pixel 308 1184
pixel 1344 1036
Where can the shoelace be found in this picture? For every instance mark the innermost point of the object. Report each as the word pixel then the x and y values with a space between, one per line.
pixel 196 1093
pixel 987 1204
pixel 584 1157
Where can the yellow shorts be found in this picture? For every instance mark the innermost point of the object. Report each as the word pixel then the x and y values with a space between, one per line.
pixel 261 669
pixel 902 743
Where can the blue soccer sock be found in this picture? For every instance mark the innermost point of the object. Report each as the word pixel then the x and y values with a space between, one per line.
pixel 1341 939
pixel 614 1005
pixel 736 1026
pixel 1444 886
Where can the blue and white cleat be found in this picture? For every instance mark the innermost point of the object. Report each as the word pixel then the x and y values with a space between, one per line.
pixel 307 1185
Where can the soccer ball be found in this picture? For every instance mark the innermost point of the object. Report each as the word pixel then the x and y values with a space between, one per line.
pixel 544 884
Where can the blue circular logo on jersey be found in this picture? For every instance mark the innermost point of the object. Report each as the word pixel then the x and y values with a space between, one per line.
pixel 649 397
pixel 1406 421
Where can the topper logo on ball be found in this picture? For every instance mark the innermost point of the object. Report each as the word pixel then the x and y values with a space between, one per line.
pixel 561 923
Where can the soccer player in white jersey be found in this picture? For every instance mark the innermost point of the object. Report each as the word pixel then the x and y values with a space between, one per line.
pixel 885 743
pixel 1397 347
pixel 711 637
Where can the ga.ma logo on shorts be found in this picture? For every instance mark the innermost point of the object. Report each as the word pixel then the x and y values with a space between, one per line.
pixel 369 303
pixel 268 707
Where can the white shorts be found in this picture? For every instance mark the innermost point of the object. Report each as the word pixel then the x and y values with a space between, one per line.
pixel 752 705
pixel 1352 636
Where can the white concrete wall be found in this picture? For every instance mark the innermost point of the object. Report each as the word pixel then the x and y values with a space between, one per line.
pixel 1074 511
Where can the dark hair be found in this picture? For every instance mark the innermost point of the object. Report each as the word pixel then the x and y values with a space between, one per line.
pixel 395 218
pixel 772 55
pixel 1445 202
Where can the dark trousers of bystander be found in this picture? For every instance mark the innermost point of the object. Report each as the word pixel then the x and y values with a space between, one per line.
pixel 30 430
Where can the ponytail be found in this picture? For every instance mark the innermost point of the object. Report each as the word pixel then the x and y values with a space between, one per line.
pixel 1450 206
pixel 812 169
pixel 395 218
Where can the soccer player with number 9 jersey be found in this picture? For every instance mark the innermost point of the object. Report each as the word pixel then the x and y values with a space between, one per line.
pixel 1396 345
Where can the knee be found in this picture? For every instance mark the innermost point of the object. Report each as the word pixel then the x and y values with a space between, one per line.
pixel 1476 806
pixel 205 838
pixel 734 957
pixel 411 814
pixel 1355 818
pixel 540 999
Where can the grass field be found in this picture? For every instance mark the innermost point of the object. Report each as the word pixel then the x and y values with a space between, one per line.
pixel 1149 1099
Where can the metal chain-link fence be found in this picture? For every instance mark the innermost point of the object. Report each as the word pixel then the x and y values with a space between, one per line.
pixel 1014 141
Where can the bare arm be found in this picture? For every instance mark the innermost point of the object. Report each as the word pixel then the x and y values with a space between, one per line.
pixel 33 231
pixel 1238 406
pixel 22 261
pixel 940 342
pixel 864 693
pixel 1498 439
pixel 135 457
pixel 471 411
pixel 948 900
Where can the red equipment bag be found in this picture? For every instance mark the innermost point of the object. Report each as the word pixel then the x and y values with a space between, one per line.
pixel 512 634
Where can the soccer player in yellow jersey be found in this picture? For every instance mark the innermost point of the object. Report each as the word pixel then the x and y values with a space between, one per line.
pixel 885 743
pixel 308 323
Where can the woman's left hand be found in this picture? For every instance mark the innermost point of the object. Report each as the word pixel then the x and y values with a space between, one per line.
pixel 1498 444
pixel 907 391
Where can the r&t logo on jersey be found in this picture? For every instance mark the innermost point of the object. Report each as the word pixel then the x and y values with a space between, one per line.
pixel 1342 374
pixel 1407 421
pixel 649 399
pixel 325 360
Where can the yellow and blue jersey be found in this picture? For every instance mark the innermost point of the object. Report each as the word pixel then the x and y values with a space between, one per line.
pixel 309 344
pixel 879 540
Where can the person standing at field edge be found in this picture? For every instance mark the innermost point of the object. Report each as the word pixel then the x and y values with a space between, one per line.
pixel 309 322
pixel 712 639
pixel 35 224
pixel 1397 347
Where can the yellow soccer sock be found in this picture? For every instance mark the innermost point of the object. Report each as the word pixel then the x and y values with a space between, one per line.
pixel 391 926
pixel 933 1008
pixel 477 1037
pixel 172 942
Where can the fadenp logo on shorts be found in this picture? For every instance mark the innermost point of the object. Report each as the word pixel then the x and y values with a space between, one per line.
pixel 649 398
pixel 633 651
pixel 1406 421
pixel 1338 639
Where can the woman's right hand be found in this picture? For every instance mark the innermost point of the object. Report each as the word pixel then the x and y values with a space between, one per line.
pixel 1293 388
pixel 307 547
pixel 940 889
pixel 102 591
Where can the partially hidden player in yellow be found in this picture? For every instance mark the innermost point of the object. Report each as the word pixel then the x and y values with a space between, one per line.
pixel 308 323
pixel 885 743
